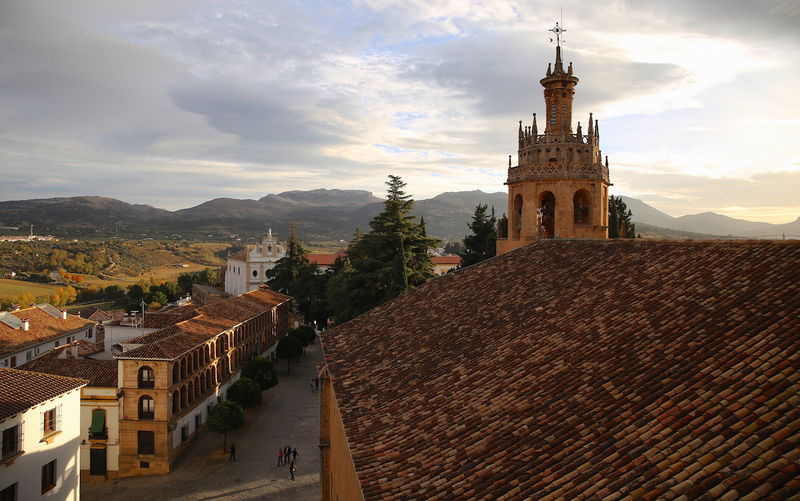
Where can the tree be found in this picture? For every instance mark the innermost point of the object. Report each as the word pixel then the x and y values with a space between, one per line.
pixel 260 370
pixel 245 392
pixel 454 248
pixel 224 417
pixel 289 348
pixel 619 219
pixel 300 337
pixel 384 263
pixel 205 277
pixel 306 334
pixel 482 243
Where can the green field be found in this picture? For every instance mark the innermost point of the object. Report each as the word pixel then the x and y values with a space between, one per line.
pixel 13 288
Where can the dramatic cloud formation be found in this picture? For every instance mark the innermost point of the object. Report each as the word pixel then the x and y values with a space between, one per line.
pixel 174 103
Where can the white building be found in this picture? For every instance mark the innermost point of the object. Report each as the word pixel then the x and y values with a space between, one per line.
pixel 99 413
pixel 40 427
pixel 30 332
pixel 246 270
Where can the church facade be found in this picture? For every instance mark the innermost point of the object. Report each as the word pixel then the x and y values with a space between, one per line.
pixel 246 270
pixel 559 187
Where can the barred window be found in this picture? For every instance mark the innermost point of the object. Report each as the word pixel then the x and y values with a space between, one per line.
pixel 51 421
pixel 48 476
pixel 11 440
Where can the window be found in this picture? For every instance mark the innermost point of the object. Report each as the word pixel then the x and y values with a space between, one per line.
pixel 197 421
pixel 12 441
pixel 147 378
pixel 28 356
pixel 147 408
pixel 184 433
pixel 146 442
pixel 9 493
pixel 13 361
pixel 255 273
pixel 144 464
pixel 48 476
pixel 97 430
pixel 51 421
pixel 89 333
pixel 58 341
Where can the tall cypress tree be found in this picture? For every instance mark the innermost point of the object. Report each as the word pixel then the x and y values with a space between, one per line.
pixel 620 224
pixel 386 262
pixel 482 243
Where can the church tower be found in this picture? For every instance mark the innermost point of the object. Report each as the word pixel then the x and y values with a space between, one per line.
pixel 559 187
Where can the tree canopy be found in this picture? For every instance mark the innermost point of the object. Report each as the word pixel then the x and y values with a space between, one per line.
pixel 384 263
pixel 245 392
pixel 298 277
pixel 289 347
pixel 619 219
pixel 482 243
pixel 224 417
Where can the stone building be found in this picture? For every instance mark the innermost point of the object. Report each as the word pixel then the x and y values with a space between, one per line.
pixel 559 187
pixel 574 369
pixel 171 378
pixel 246 270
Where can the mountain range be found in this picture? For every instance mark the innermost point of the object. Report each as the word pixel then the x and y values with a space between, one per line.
pixel 320 215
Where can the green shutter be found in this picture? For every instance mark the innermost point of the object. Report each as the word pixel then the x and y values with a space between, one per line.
pixel 98 421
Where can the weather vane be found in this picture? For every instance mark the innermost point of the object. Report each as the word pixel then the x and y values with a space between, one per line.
pixel 558 30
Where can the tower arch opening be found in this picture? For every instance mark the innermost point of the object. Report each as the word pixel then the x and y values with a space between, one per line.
pixel 547 215
pixel 581 207
pixel 516 222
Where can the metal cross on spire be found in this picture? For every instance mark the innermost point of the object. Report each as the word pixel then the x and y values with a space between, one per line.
pixel 558 30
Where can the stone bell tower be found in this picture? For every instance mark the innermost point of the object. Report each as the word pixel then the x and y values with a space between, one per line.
pixel 559 187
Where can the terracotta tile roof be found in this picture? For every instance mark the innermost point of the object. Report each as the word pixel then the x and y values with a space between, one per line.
pixel 325 259
pixel 209 320
pixel 167 317
pixel 20 390
pixel 99 315
pixel 454 260
pixel 99 373
pixel 240 256
pixel 581 370
pixel 43 327
pixel 84 348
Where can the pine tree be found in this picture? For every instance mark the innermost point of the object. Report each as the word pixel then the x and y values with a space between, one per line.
pixel 482 243
pixel 619 219
pixel 386 262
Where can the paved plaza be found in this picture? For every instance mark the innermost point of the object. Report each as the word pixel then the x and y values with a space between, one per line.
pixel 289 414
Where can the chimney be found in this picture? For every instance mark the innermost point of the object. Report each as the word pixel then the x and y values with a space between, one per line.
pixel 63 314
pixel 26 324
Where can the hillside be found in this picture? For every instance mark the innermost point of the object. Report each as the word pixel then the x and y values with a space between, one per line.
pixel 319 215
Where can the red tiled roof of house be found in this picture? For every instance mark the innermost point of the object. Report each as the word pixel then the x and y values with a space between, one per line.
pixel 20 390
pixel 98 315
pixel 99 373
pixel 581 370
pixel 167 317
pixel 84 347
pixel 43 327
pixel 239 256
pixel 324 259
pixel 207 322
pixel 454 260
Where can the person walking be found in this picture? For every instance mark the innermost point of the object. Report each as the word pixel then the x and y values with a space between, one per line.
pixel 292 469
pixel 287 452
pixel 232 457
pixel 294 455
pixel 280 456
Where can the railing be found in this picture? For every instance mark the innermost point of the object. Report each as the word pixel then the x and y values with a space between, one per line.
pixel 550 170
pixel 98 435
pixel 528 139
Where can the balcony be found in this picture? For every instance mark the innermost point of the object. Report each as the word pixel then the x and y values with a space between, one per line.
pixel 98 435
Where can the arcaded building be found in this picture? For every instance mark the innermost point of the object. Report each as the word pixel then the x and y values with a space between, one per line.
pixel 559 187
pixel 171 378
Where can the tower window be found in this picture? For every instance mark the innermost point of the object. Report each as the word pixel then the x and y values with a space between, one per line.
pixel 580 207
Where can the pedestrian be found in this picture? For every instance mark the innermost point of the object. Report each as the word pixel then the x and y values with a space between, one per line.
pixel 292 469
pixel 287 451
pixel 316 383
pixel 280 457
pixel 294 455
pixel 232 457
pixel 312 385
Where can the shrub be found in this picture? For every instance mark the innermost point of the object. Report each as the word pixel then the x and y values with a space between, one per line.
pixel 260 370
pixel 245 392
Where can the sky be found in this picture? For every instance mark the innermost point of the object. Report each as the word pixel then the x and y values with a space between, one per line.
pixel 175 103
